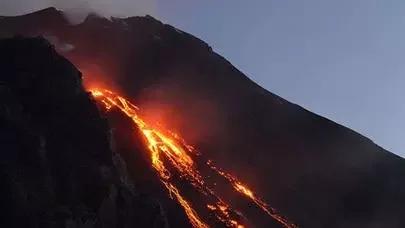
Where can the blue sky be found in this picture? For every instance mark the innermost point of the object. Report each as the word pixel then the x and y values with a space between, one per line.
pixel 342 59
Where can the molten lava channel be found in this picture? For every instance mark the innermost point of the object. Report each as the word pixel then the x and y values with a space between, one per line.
pixel 168 149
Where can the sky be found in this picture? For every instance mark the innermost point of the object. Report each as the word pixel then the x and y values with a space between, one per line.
pixel 344 60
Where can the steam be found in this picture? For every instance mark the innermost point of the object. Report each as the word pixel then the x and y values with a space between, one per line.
pixel 77 10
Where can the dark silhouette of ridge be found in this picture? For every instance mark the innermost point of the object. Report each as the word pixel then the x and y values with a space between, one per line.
pixel 59 167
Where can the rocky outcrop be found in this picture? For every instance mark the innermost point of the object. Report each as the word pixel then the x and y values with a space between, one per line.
pixel 58 165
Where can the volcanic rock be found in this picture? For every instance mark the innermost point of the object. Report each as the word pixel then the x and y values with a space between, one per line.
pixel 59 167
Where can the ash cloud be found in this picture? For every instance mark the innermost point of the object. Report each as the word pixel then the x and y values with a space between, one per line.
pixel 77 10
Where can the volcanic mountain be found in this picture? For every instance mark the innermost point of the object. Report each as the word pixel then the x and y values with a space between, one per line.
pixel 150 80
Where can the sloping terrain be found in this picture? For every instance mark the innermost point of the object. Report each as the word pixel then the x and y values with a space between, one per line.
pixel 67 168
pixel 59 166
pixel 318 173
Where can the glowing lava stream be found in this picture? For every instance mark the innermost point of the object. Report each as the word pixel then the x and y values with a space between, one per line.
pixel 178 153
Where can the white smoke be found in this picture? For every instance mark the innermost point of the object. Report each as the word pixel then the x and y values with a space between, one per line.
pixel 78 9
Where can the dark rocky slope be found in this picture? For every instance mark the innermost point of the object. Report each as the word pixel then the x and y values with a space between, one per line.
pixel 59 167
pixel 318 173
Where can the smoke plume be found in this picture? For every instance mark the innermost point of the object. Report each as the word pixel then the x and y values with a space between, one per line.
pixel 78 9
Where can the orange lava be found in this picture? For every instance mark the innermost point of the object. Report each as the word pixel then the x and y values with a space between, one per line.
pixel 243 189
pixel 168 149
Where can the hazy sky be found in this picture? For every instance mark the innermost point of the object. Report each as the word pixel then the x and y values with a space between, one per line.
pixel 343 59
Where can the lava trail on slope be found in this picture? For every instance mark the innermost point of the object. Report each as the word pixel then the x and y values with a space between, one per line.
pixel 172 159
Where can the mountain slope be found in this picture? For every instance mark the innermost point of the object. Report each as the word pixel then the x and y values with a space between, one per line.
pixel 317 172
pixel 59 167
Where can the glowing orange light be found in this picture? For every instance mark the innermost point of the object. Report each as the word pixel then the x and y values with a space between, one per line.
pixel 167 144
pixel 243 189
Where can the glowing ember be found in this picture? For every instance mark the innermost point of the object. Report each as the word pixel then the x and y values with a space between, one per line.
pixel 243 189
pixel 178 154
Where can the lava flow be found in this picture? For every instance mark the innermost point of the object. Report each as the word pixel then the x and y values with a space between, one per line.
pixel 169 151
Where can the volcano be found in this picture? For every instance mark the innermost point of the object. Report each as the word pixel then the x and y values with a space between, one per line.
pixel 203 144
